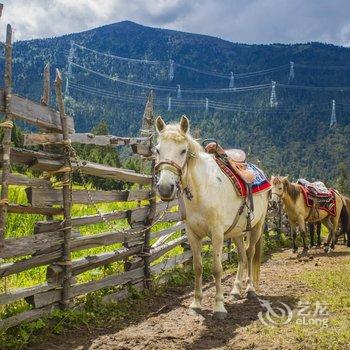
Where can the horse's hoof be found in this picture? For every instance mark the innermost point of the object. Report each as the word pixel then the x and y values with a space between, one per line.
pixel 305 252
pixel 236 296
pixel 194 311
pixel 220 315
pixel 251 294
pixel 327 249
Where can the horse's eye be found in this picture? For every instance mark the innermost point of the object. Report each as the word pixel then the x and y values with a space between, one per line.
pixel 183 151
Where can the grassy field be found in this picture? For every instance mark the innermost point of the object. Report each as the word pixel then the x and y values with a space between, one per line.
pixel 20 225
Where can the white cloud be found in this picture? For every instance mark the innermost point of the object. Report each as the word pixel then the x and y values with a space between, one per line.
pixel 251 21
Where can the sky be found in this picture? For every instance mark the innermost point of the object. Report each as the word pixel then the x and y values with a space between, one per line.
pixel 246 21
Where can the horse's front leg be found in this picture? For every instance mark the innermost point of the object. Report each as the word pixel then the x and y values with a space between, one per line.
pixel 196 247
pixel 242 261
pixel 218 242
pixel 294 237
pixel 302 226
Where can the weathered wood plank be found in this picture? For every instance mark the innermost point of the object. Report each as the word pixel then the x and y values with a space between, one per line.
pixel 34 244
pixel 42 197
pixel 21 293
pixel 11 268
pixel 26 316
pixel 171 262
pixel 134 215
pixel 50 249
pixel 45 161
pixel 103 239
pixel 28 157
pixel 7 132
pixel 93 261
pixel 124 293
pixel 163 233
pixel 116 279
pixel 35 113
pixel 163 249
pixel 159 251
pixel 23 180
pixel 88 139
pixel 173 216
pixel 29 209
pixel 109 281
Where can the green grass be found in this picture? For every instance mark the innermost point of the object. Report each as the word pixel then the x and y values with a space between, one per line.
pixel 20 225
pixel 95 312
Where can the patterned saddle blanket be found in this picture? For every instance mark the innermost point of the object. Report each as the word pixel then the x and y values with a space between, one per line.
pixel 317 188
pixel 318 196
pixel 241 174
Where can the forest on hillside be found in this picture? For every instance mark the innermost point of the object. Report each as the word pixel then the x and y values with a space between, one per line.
pixel 292 138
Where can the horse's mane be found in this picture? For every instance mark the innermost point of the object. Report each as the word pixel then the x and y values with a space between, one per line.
pixel 173 132
pixel 291 188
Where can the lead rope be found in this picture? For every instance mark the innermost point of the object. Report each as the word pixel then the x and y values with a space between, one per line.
pixel 71 152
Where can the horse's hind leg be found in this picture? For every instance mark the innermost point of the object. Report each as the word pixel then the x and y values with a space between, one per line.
pixel 312 233
pixel 196 247
pixel 331 236
pixel 319 226
pixel 242 260
pixel 254 253
pixel 217 238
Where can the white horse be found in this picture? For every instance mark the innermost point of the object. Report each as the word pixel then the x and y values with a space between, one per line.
pixel 212 208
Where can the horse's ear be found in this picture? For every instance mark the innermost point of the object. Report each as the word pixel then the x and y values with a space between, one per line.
pixel 160 124
pixel 285 178
pixel 184 124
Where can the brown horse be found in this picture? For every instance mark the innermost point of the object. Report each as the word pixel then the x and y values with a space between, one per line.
pixel 299 213
pixel 345 220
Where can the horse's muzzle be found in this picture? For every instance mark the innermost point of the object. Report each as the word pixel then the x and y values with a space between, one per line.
pixel 166 192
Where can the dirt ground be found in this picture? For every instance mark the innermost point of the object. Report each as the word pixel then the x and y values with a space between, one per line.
pixel 168 324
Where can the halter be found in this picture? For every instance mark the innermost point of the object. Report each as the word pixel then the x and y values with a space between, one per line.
pixel 172 166
pixel 178 170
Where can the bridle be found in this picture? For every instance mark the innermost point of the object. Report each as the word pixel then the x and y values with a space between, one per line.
pixel 178 170
pixel 171 166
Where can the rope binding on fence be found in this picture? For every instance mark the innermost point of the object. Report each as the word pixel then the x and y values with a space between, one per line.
pixel 8 124
pixel 71 152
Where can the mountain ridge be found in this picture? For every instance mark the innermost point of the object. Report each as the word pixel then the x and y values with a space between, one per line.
pixel 299 125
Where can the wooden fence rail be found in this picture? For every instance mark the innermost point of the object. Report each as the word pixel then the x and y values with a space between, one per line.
pixel 54 241
pixel 136 252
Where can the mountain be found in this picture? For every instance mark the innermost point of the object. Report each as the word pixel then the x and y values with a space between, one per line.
pixel 293 138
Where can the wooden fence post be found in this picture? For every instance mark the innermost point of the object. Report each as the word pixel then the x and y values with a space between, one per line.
pixel 45 98
pixel 7 127
pixel 67 200
pixel 148 119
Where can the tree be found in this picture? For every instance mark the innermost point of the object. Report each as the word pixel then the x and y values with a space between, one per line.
pixel 342 182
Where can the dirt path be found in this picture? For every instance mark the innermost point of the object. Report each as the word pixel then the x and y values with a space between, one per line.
pixel 168 325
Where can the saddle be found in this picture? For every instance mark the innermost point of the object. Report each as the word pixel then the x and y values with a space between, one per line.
pixel 316 189
pixel 234 159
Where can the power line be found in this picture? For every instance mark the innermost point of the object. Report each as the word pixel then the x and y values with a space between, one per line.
pixel 172 89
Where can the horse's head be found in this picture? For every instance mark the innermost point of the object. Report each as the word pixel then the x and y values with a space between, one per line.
pixel 278 187
pixel 172 152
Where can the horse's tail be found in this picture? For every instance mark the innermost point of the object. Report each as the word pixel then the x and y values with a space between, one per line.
pixel 257 259
pixel 345 219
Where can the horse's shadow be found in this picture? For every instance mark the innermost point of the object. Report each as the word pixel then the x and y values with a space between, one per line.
pixel 319 254
pixel 219 333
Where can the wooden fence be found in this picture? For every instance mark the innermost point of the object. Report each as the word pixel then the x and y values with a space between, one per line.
pixel 54 240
